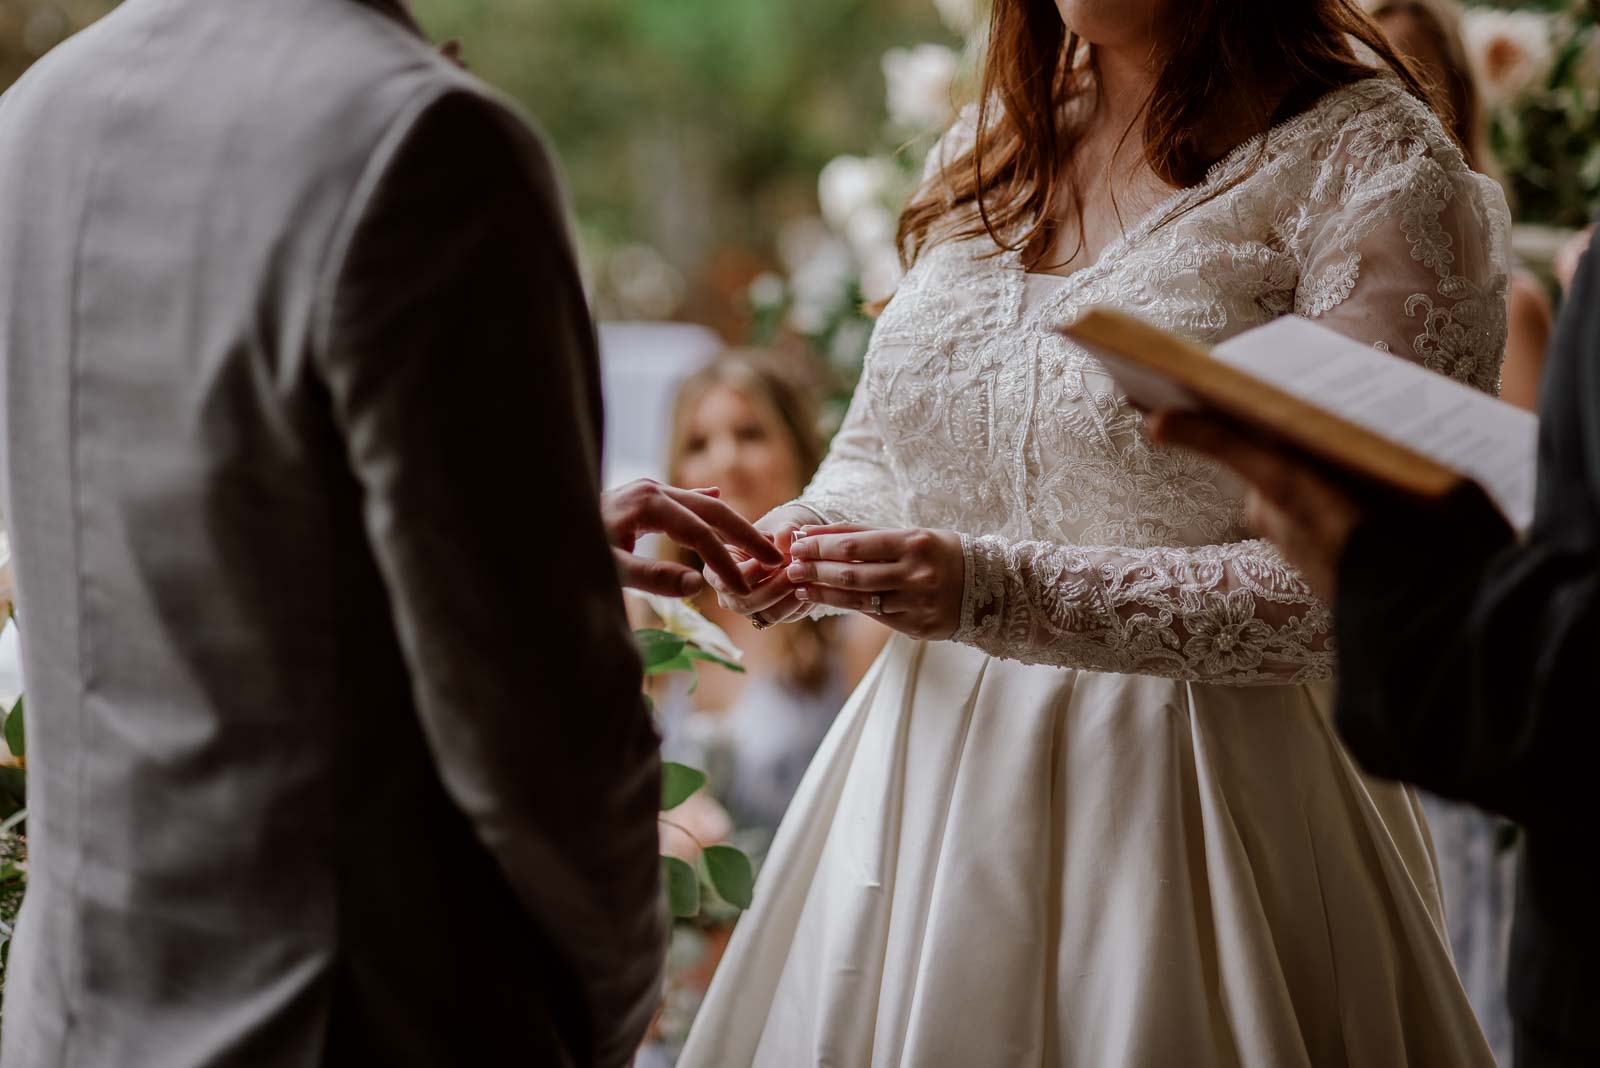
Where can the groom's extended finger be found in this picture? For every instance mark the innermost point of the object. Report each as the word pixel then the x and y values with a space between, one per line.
pixel 847 576
pixel 689 530
pixel 858 543
pixel 734 528
pixel 656 576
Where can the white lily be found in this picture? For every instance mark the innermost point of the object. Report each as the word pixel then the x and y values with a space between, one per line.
pixel 680 618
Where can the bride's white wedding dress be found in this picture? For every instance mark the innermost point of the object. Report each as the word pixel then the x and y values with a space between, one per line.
pixel 1110 824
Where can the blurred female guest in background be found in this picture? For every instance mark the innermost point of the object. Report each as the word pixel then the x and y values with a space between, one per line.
pixel 1428 33
pixel 745 426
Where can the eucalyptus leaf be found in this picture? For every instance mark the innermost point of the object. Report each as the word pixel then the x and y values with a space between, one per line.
pixel 679 662
pixel 657 647
pixel 678 781
pixel 683 888
pixel 694 652
pixel 16 739
pixel 730 874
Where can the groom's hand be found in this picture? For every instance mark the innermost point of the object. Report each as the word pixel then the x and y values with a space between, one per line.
pixel 694 519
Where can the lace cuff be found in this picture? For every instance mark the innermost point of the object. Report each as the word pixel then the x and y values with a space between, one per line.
pixel 1235 614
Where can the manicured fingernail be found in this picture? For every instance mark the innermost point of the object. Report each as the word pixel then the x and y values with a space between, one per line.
pixel 799 533
pixel 803 593
pixel 796 572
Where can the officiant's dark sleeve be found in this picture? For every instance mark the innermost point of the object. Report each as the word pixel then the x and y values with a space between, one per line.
pixel 462 372
pixel 1468 659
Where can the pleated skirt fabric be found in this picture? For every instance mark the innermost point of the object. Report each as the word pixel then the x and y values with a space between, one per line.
pixel 992 864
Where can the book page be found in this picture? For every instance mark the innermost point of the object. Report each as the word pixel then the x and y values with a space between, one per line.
pixel 1488 440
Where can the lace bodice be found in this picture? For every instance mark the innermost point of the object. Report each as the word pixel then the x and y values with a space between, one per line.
pixel 1088 546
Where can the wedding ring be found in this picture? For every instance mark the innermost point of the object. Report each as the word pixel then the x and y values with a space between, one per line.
pixel 760 624
pixel 877 604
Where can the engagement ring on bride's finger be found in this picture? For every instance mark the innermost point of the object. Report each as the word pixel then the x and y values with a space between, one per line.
pixel 877 604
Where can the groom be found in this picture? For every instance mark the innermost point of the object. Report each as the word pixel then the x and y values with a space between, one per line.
pixel 1468 657
pixel 337 749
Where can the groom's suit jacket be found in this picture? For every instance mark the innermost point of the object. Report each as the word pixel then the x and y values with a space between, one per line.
pixel 1470 664
pixel 336 748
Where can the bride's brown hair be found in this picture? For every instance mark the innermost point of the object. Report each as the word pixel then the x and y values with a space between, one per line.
pixel 1273 58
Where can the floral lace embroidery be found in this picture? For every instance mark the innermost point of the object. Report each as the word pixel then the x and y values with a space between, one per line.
pixel 1087 546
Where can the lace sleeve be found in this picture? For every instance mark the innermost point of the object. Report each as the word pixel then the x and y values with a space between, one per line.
pixel 854 483
pixel 1404 247
pixel 1234 614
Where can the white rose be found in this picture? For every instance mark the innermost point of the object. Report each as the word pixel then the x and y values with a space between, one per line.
pixel 767 290
pixel 919 82
pixel 962 16
pixel 820 282
pixel 683 619
pixel 1509 50
pixel 880 274
pixel 850 184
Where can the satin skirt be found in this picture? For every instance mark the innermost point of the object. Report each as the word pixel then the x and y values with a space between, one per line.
pixel 992 864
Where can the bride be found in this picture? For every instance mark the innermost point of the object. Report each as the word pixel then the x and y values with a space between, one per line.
pixel 1087 808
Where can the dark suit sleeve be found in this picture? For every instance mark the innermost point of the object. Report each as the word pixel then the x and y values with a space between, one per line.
pixel 1468 658
pixel 461 367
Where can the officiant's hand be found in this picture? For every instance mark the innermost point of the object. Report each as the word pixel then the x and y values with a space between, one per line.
pixel 694 519
pixel 909 580
pixel 1291 504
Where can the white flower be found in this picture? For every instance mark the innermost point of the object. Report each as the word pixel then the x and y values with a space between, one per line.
pixel 1509 50
pixel 919 82
pixel 647 286
pixel 820 272
pixel 850 184
pixel 767 290
pixel 880 273
pixel 962 16
pixel 683 619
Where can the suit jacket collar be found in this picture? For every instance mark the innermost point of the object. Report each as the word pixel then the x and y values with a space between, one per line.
pixel 397 11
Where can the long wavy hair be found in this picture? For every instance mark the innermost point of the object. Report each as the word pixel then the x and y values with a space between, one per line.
pixel 1260 60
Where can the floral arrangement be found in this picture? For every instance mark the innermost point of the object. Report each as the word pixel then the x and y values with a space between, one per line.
pixel 1539 72
pixel 845 257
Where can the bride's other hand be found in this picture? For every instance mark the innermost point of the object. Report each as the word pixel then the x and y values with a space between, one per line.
pixel 695 519
pixel 909 580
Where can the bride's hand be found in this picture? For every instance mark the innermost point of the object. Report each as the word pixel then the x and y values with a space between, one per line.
pixel 910 580
pixel 770 598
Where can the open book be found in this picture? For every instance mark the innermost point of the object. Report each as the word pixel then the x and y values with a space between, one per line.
pixel 1356 407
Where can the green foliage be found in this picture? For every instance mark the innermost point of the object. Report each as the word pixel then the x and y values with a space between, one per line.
pixel 1548 139
pixel 661 651
pixel 730 874
pixel 16 738
pixel 689 124
pixel 678 782
pixel 682 886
